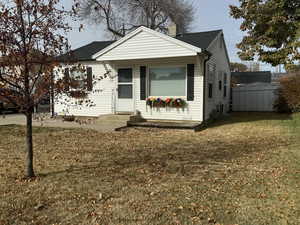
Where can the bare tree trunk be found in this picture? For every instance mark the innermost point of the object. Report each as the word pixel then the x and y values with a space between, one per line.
pixel 29 146
pixel 52 95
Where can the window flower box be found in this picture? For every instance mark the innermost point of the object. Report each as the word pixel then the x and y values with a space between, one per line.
pixel 168 102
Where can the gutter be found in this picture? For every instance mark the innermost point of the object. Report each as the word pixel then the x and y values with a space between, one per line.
pixel 207 56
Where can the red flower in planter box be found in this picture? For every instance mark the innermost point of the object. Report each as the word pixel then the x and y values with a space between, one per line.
pixel 169 102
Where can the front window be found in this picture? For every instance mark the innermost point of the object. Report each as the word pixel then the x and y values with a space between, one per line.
pixel 78 78
pixel 167 81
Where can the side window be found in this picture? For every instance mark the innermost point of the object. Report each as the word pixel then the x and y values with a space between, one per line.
pixel 225 91
pixel 210 90
pixel 225 85
pixel 220 78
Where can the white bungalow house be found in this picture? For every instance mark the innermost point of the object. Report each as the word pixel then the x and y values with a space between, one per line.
pixel 182 77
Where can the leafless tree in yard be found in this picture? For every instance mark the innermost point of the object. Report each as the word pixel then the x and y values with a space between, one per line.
pixel 122 16
pixel 31 37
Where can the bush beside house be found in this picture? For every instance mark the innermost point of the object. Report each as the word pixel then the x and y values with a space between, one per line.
pixel 289 94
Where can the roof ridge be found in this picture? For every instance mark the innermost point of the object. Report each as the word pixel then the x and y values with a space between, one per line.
pixel 201 32
pixel 102 41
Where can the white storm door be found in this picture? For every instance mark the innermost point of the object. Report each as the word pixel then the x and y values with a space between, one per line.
pixel 125 91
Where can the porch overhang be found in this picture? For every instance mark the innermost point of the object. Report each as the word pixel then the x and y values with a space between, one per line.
pixel 124 59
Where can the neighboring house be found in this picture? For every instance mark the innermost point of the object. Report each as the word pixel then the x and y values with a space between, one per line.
pixel 192 67
pixel 251 77
pixel 44 104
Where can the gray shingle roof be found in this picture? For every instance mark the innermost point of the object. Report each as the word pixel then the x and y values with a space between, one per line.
pixel 201 40
pixel 86 52
pixel 252 77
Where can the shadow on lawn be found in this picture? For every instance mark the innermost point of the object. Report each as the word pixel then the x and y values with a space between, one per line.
pixel 172 158
pixel 245 117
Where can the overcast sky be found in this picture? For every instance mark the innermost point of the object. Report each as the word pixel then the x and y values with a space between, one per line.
pixel 209 15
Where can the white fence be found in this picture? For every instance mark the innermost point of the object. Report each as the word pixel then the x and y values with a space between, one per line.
pixel 254 97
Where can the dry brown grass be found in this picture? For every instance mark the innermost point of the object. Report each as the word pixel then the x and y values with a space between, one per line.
pixel 241 171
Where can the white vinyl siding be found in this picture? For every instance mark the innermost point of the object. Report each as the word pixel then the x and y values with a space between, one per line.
pixel 102 96
pixel 146 46
pixel 217 65
pixel 105 94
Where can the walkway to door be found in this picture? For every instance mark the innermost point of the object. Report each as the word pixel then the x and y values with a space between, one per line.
pixel 107 123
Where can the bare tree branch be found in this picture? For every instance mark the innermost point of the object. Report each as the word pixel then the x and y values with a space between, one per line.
pixel 123 16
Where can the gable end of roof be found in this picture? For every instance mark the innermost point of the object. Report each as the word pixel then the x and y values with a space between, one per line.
pixel 152 32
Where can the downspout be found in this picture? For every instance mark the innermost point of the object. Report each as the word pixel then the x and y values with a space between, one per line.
pixel 207 56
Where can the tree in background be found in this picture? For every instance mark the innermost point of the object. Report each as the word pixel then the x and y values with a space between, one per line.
pixel 123 16
pixel 292 68
pixel 272 28
pixel 238 67
pixel 31 36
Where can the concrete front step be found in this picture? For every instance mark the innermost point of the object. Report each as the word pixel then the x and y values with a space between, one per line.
pixel 167 124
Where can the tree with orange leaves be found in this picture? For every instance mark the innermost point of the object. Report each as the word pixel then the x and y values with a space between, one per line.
pixel 31 37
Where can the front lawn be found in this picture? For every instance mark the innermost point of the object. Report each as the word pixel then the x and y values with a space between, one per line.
pixel 243 170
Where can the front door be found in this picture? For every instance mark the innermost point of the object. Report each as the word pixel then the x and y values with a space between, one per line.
pixel 125 91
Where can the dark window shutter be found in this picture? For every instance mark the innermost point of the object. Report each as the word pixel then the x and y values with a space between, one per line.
pixel 225 91
pixel 67 79
pixel 89 78
pixel 190 82
pixel 143 82
pixel 220 85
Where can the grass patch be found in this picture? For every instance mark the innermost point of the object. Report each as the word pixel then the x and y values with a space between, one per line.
pixel 243 170
pixel 17 130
